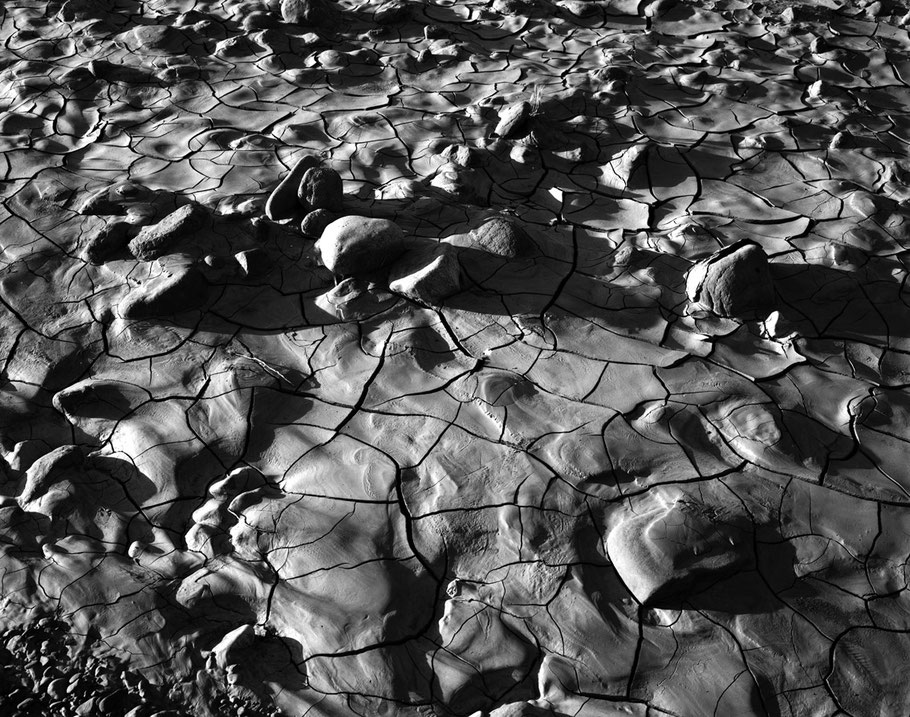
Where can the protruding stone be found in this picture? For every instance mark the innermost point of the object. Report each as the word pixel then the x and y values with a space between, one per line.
pixel 306 12
pixel 253 262
pixel 502 237
pixel 667 553
pixel 321 188
pixel 428 274
pixel 315 222
pixel 184 290
pixel 353 246
pixel 734 282
pixel 283 202
pixel 514 121
pixel 158 239
pixel 355 298
pixel 105 240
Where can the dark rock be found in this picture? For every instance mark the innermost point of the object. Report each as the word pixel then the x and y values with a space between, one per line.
pixel 734 282
pixel 158 239
pixel 106 240
pixel 183 290
pixel 514 121
pixel 283 202
pixel 321 188
pixel 315 222
pixel 502 237
pixel 353 245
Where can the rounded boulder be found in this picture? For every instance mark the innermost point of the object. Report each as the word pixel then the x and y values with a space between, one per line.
pixel 353 245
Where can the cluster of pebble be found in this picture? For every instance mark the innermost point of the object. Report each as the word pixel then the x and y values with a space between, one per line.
pixel 41 674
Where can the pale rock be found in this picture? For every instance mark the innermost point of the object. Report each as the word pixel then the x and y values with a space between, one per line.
pixel 355 245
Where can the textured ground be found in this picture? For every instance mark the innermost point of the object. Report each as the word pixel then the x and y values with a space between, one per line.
pixel 229 487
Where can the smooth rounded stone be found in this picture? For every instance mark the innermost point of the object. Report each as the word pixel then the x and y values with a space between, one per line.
pixel 106 240
pixel 283 202
pixel 185 289
pixel 734 282
pixel 321 188
pixel 514 121
pixel 158 239
pixel 253 262
pixel 315 222
pixel 665 554
pixel 427 274
pixel 354 245
pixel 502 237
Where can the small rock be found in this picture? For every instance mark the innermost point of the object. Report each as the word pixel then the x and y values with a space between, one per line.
pixel 283 202
pixel 105 240
pixel 253 262
pixel 502 237
pixel 514 121
pixel 427 274
pixel 354 245
pixel 734 282
pixel 158 239
pixel 315 222
pixel 57 688
pixel 184 290
pixel 321 188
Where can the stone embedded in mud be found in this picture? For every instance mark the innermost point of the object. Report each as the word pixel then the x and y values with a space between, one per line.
pixel 427 274
pixel 514 121
pixel 112 199
pixel 669 552
pixel 315 222
pixel 253 262
pixel 502 237
pixel 306 12
pixel 106 240
pixel 355 298
pixel 353 246
pixel 185 289
pixel 158 239
pixel 283 202
pixel 734 282
pixel 321 188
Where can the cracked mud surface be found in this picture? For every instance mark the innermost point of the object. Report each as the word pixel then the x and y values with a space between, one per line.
pixel 604 410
